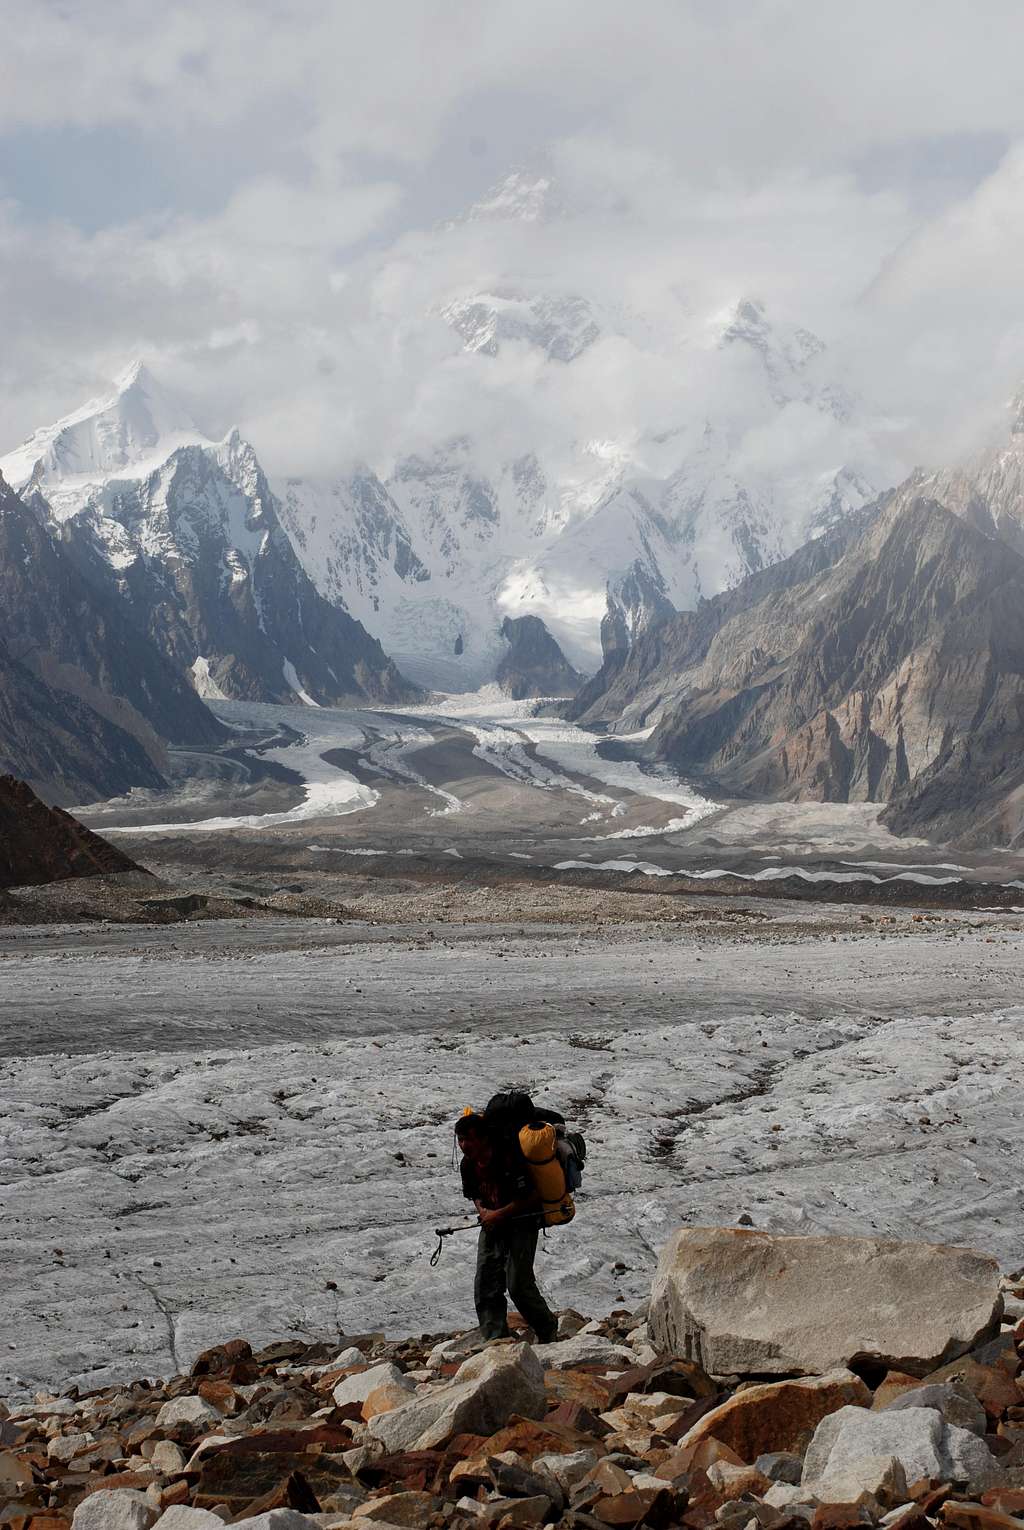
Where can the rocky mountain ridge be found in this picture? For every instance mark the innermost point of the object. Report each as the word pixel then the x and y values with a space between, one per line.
pixel 881 662
pixel 88 704
pixel 609 1425
pixel 187 532
pixel 44 844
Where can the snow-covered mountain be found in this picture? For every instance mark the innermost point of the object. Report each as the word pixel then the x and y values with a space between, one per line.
pixel 731 442
pixel 189 532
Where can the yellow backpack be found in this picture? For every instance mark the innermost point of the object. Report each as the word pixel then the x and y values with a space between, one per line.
pixel 539 1144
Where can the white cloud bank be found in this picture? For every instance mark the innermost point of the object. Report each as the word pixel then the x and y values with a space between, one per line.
pixel 856 167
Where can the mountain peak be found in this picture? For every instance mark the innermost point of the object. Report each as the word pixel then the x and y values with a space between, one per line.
pixel 134 373
pixel 522 196
pixel 134 425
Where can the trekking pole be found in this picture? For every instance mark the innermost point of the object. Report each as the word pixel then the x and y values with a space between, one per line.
pixel 440 1233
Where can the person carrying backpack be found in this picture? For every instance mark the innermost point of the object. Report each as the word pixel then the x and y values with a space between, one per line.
pixel 496 1178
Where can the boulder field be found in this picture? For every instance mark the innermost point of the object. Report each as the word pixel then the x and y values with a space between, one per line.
pixel 899 1401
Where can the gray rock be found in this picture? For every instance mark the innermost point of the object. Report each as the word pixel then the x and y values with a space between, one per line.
pixel 63 1447
pixel 874 1481
pixel 350 1356
pixel 952 1400
pixel 742 1301
pixel 583 1349
pixel 920 1439
pixel 187 1410
pixel 789 1495
pixel 181 1517
pixel 357 1388
pixel 279 1519
pixel 567 1469
pixel 167 1458
pixel 480 1398
pixel 117 1509
pixel 458 1348
pixel 780 1466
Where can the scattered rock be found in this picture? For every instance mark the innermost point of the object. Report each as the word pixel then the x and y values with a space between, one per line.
pixel 778 1416
pixel 357 1388
pixel 122 1509
pixel 920 1439
pixel 950 1398
pixel 780 1466
pixel 872 1481
pixel 745 1302
pixel 583 1349
pixel 194 1412
pixel 414 1509
pixel 181 1517
pixel 482 1396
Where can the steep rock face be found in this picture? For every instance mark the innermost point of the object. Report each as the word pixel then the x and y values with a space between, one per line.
pixel 190 533
pixel 988 490
pixel 62 618
pixel 887 666
pixel 45 844
pixel 642 672
pixel 534 664
pixel 65 748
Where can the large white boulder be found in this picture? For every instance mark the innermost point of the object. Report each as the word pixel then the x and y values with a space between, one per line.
pixel 922 1441
pixel 114 1509
pixel 743 1301
pixel 357 1388
pixel 481 1397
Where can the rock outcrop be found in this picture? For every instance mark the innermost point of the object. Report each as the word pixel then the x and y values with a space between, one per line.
pixel 881 663
pixel 87 703
pixel 739 1300
pixel 533 664
pixel 45 844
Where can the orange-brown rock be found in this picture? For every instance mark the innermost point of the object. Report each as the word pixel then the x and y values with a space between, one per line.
pixel 648 1506
pixel 893 1385
pixel 410 1508
pixel 680 1378
pixel 223 1357
pixel 383 1399
pixel 698 1455
pixel 1006 1500
pixel 219 1394
pixel 779 1415
pixel 840 1516
pixel 975 1516
pixel 530 1439
pixel 584 1387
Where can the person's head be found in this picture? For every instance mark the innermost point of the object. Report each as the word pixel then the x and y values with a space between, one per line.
pixel 473 1137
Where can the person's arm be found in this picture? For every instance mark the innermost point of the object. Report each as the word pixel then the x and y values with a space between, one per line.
pixel 521 1207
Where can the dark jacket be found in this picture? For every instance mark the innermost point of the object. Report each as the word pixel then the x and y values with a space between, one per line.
pixel 504 1180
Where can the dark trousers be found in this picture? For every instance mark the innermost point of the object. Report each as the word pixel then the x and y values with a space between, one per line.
pixel 504 1262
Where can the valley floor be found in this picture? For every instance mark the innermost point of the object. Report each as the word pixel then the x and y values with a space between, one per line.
pixel 245 1126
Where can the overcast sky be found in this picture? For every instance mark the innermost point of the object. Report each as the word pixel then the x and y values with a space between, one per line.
pixel 263 198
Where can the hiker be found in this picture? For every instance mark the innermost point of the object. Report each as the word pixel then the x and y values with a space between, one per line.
pixel 510 1215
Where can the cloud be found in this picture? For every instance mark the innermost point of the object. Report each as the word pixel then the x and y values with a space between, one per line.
pixel 286 261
